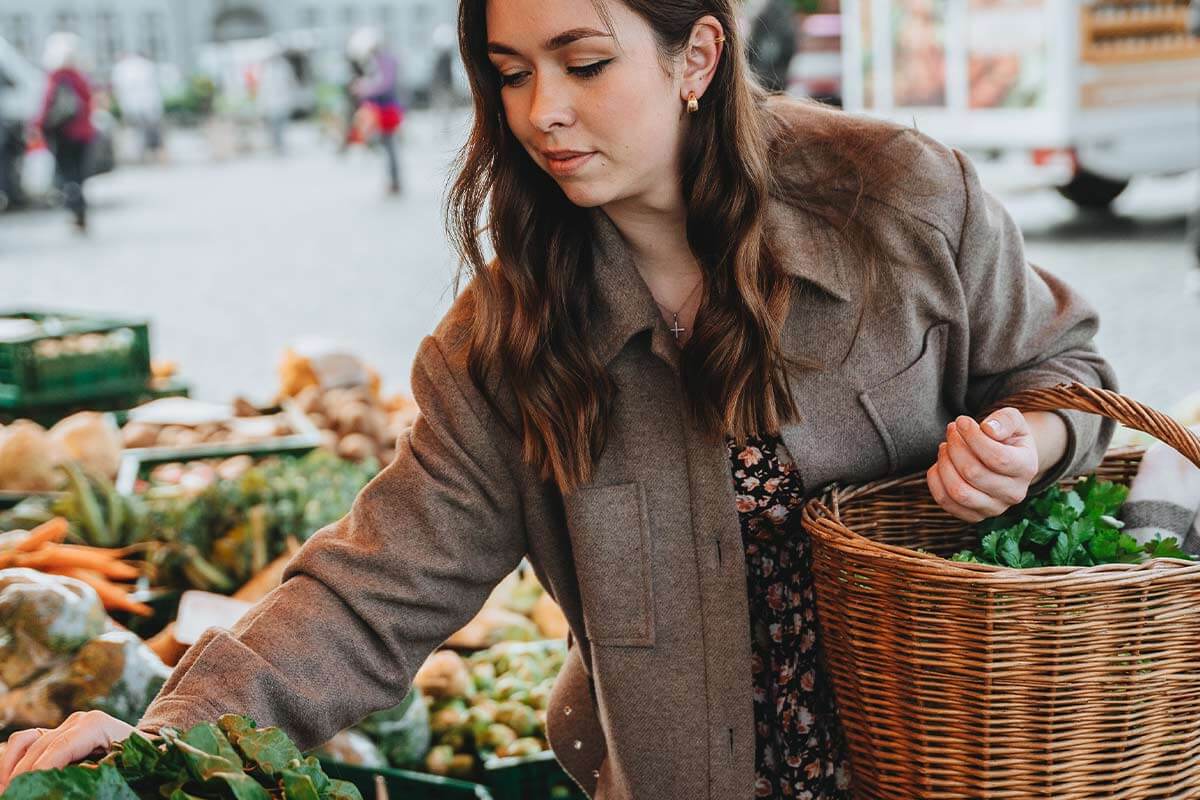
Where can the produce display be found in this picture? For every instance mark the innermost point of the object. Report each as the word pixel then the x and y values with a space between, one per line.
pixel 1062 528
pixel 462 713
pixel 166 423
pixel 231 760
pixel 102 568
pixel 60 653
pixel 355 422
pixel 31 456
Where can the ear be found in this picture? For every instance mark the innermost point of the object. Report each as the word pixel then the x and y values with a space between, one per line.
pixel 701 56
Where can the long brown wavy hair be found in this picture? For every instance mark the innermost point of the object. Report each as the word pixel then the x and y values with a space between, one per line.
pixel 529 314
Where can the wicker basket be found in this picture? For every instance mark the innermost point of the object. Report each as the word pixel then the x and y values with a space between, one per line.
pixel 959 680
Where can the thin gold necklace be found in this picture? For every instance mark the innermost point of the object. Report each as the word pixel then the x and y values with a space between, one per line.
pixel 676 328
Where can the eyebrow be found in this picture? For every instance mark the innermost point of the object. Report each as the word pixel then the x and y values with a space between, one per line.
pixel 554 43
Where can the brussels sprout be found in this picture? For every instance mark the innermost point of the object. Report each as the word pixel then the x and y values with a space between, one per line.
pixel 539 696
pixel 439 759
pixel 459 738
pixel 497 737
pixel 520 718
pixel 446 719
pixel 506 685
pixel 485 677
pixel 462 766
pixel 527 746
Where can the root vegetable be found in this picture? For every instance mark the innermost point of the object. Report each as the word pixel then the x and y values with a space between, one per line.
pixel 139 434
pixel 28 458
pixel 356 447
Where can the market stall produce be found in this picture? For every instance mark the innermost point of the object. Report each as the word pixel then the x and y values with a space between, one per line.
pixel 31 457
pixel 231 760
pixel 60 653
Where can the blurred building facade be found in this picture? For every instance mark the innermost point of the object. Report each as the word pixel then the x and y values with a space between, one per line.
pixel 175 31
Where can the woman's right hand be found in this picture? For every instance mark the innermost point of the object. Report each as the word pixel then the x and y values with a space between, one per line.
pixel 83 733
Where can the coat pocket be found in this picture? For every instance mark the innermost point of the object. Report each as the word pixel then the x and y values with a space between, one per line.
pixel 610 539
pixel 909 409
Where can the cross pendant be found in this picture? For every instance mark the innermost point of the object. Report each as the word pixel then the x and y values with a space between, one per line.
pixel 675 328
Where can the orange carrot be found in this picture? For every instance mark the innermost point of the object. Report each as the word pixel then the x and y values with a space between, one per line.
pixel 114 596
pixel 66 555
pixel 54 530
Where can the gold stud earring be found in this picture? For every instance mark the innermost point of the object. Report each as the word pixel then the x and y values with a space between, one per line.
pixel 693 104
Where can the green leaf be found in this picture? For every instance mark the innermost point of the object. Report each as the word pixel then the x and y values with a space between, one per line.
pixel 1074 502
pixel 1166 547
pixel 1064 547
pixel 1029 560
pixel 138 758
pixel 71 783
pixel 1104 546
pixel 965 557
pixel 1009 549
pixel 241 786
pixel 989 545
pixel 1041 535
pixel 298 786
pixel 206 752
pixel 235 726
pixel 268 749
pixel 342 790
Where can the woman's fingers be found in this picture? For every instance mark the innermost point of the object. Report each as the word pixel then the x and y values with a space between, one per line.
pixel 18 745
pixel 1005 490
pixel 942 497
pixel 999 457
pixel 82 734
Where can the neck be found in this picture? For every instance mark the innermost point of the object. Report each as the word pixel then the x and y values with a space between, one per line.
pixel 655 229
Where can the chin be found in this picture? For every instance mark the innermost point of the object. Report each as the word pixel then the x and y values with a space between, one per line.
pixel 586 194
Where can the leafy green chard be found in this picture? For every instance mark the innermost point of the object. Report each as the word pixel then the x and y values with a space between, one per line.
pixel 232 760
pixel 1061 528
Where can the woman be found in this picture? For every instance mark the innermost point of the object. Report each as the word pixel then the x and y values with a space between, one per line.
pixel 704 306
pixel 64 121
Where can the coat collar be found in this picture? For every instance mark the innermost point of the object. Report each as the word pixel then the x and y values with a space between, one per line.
pixel 624 307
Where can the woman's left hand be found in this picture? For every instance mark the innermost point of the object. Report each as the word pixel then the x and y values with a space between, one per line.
pixel 984 469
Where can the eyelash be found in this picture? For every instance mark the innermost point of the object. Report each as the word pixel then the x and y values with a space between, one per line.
pixel 586 71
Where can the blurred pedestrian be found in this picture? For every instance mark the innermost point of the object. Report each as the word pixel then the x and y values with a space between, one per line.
pixel 378 92
pixel 64 122
pixel 441 86
pixel 772 41
pixel 138 95
pixel 275 94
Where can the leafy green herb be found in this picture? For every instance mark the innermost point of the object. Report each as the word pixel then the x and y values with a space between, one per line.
pixel 1059 528
pixel 232 760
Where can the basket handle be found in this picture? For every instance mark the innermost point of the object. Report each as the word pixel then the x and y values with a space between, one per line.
pixel 1105 403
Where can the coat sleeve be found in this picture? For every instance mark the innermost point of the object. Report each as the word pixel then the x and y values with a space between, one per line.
pixel 1028 329
pixel 368 598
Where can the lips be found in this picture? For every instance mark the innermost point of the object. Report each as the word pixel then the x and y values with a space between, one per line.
pixel 566 162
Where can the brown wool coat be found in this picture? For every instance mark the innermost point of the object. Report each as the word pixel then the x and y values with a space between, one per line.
pixel 646 561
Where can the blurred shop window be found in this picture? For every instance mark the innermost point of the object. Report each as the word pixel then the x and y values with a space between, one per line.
pixel 18 30
pixel 154 36
pixel 385 17
pixel 421 16
pixel 66 21
pixel 108 37
pixel 310 17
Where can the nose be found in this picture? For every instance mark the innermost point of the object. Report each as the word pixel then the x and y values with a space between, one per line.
pixel 551 105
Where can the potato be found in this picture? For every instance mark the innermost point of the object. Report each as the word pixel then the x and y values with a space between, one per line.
pixel 330 440
pixel 244 408
pixel 352 418
pixel 92 439
pixel 319 420
pixel 310 400
pixel 29 458
pixel 139 434
pixel 356 447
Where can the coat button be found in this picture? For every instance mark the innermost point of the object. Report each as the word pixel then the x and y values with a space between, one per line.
pixel 596 774
pixel 578 745
pixel 566 711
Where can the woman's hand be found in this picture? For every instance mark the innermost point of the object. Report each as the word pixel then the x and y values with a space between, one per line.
pixel 83 733
pixel 984 469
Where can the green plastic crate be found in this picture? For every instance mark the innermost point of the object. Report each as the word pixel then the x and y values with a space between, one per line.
pixel 46 414
pixel 30 379
pixel 537 777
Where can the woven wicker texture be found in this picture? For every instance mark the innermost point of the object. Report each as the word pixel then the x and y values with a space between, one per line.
pixel 974 681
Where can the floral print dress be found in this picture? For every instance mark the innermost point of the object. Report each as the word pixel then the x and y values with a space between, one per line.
pixel 800 752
